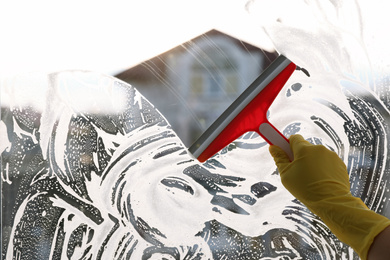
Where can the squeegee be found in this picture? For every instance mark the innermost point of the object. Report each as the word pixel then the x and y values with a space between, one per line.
pixel 249 113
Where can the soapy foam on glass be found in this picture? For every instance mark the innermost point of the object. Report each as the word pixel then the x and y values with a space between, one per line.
pixel 100 173
pixel 122 183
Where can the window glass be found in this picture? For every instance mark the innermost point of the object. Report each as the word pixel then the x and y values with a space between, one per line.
pixel 95 166
pixel 197 85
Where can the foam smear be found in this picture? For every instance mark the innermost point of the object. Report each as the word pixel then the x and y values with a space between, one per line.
pixel 96 172
pixel 121 184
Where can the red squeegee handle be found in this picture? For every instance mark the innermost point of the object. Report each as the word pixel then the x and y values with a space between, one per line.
pixel 249 113
pixel 254 116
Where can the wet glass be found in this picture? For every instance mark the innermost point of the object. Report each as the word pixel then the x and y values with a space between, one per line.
pixel 97 167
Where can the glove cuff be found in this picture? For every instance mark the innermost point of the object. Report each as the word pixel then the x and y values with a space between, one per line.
pixel 351 221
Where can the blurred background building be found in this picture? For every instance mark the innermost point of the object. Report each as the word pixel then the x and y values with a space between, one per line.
pixel 193 83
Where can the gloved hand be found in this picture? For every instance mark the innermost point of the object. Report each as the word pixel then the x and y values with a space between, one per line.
pixel 319 179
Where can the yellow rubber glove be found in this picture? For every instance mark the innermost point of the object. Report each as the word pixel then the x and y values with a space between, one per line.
pixel 319 179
